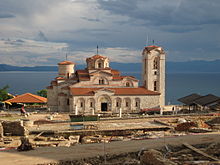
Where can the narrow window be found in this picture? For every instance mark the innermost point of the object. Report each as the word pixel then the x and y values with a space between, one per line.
pixel 127 84
pixel 155 63
pixel 155 85
pixel 81 104
pixel 99 65
pixel 101 81
pixel 136 104
pixel 126 104
pixel 117 104
pixel 91 104
pixel 68 102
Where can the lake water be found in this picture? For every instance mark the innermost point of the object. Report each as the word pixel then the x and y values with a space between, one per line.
pixel 177 84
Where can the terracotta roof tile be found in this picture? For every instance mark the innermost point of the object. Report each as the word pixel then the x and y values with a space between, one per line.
pixel 65 63
pixel 28 98
pixel 97 56
pixel 81 72
pixel 117 91
pixel 115 72
pixel 60 78
pixel 152 47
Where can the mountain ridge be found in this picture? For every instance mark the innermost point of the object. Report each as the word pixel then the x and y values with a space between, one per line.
pixel 171 67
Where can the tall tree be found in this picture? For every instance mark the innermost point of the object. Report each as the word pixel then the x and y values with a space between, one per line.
pixel 42 93
pixel 4 93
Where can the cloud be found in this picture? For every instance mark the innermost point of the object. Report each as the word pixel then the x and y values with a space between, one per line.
pixel 166 12
pixel 6 15
pixel 29 52
pixel 52 28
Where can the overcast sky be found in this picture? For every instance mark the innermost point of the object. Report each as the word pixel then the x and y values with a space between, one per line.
pixel 41 32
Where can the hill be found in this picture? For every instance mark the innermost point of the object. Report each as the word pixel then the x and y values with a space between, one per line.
pixel 171 67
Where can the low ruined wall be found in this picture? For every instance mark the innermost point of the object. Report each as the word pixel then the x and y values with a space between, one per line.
pixel 15 128
pixel 1 130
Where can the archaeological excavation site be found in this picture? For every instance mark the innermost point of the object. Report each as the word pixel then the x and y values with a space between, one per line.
pixel 53 139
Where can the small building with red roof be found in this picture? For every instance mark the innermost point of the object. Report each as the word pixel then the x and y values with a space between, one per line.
pixel 28 98
pixel 101 89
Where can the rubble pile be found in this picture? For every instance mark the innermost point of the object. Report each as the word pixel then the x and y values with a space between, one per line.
pixel 214 123
pixel 183 155
pixel 154 157
pixel 185 126
pixel 169 155
pixel 41 141
pixel 25 145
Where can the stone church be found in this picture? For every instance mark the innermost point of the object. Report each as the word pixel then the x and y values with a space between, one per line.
pixel 101 89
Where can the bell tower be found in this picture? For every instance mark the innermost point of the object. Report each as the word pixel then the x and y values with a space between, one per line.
pixel 153 70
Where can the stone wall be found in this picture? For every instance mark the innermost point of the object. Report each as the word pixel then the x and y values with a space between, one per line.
pixel 15 128
pixel 1 130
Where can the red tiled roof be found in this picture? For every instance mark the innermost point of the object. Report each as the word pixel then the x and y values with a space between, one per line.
pixel 97 56
pixel 115 72
pixel 121 77
pixel 152 47
pixel 82 72
pixel 60 78
pixel 117 91
pixel 28 98
pixel 65 63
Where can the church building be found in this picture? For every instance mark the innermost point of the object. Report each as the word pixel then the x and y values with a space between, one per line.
pixel 101 89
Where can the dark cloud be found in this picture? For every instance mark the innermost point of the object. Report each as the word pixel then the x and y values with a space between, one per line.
pixel 41 36
pixel 166 12
pixel 25 7
pixel 91 19
pixel 6 15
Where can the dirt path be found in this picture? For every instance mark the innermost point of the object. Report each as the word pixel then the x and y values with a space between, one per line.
pixel 54 154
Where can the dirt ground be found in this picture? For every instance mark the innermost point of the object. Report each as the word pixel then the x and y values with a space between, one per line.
pixel 57 154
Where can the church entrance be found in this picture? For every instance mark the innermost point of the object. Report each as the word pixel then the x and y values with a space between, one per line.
pixel 104 107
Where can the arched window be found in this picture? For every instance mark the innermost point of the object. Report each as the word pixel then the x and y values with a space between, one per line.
pixel 91 103
pixel 101 81
pixel 137 102
pixel 118 102
pixel 127 84
pixel 81 104
pixel 99 65
pixel 156 63
pixel 127 102
pixel 155 85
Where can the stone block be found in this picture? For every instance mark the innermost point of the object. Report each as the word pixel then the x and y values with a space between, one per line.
pixel 15 128
pixel 1 130
pixel 154 157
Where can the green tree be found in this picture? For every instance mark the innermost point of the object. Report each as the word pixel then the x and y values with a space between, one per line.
pixel 4 93
pixel 42 93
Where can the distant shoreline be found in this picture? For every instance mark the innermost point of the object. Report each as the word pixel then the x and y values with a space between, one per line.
pixel 171 67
